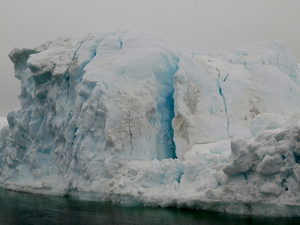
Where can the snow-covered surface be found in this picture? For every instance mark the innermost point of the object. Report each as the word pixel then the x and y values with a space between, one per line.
pixel 123 116
pixel 3 122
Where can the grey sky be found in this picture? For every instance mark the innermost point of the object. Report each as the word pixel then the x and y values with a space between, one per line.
pixel 194 24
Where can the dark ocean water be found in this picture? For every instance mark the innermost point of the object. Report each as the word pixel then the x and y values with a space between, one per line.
pixel 21 208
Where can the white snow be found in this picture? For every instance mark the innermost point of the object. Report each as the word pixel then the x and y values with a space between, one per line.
pixel 122 116
pixel 3 122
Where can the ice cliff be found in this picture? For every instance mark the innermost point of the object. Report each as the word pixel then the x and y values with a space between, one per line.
pixel 122 116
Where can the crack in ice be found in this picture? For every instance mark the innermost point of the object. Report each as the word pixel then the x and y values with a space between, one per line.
pixel 224 99
pixel 130 132
pixel 67 74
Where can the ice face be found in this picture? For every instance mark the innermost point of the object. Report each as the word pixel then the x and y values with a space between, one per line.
pixel 91 102
pixel 217 94
pixel 122 116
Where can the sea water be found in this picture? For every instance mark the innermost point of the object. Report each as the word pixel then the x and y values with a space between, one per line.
pixel 22 208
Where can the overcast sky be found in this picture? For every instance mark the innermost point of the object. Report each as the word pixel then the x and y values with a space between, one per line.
pixel 194 24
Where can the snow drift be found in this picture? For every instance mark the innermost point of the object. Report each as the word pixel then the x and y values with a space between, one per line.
pixel 122 116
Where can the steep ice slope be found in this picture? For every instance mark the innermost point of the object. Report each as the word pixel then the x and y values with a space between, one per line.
pixel 105 117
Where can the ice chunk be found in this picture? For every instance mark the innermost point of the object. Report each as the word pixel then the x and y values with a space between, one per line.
pixel 270 165
pixel 265 121
pixel 271 188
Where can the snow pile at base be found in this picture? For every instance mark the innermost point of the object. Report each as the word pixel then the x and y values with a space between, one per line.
pixel 122 116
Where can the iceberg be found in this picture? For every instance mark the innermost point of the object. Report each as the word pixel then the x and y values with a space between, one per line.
pixel 123 116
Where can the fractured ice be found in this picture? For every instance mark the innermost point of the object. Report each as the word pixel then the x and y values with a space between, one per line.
pixel 123 116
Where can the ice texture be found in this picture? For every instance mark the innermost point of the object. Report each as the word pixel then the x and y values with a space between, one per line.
pixel 123 116
pixel 3 122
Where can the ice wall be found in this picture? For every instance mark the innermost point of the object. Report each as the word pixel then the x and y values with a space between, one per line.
pixel 86 103
pixel 217 94
pixel 122 116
